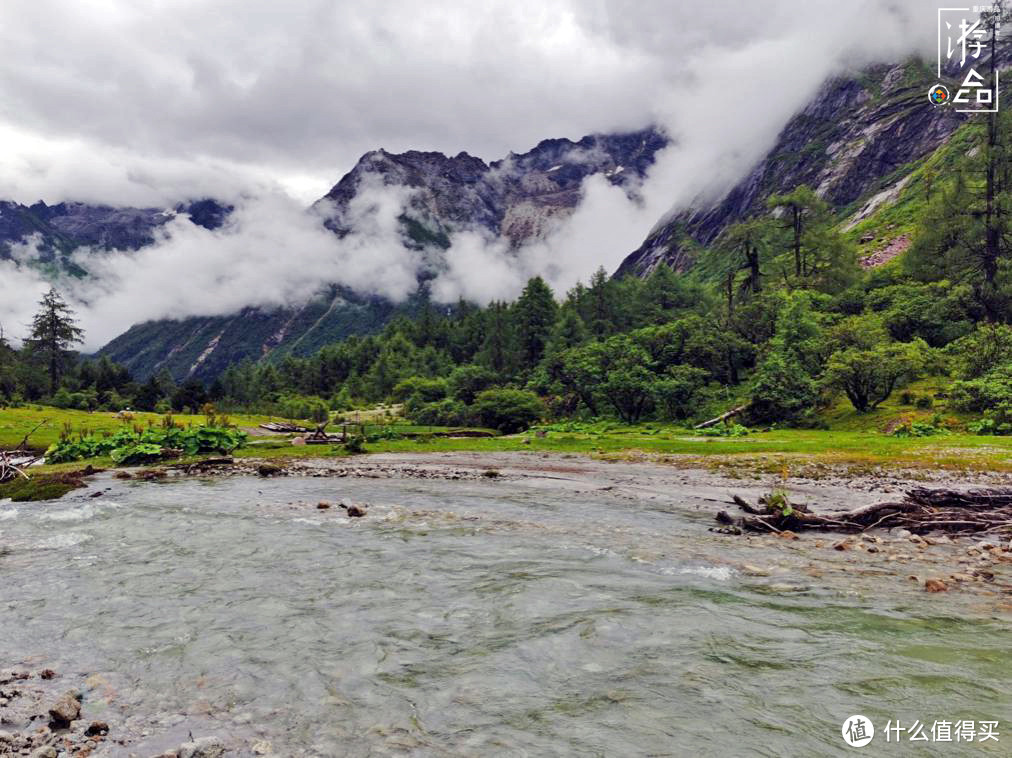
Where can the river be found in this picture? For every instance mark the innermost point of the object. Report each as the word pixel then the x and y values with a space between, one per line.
pixel 475 618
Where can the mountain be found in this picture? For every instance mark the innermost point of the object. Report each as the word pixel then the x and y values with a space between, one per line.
pixel 856 144
pixel 56 231
pixel 203 347
pixel 517 198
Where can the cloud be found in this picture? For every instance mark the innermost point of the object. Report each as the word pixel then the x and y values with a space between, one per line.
pixel 271 253
pixel 265 105
pixel 289 91
pixel 733 93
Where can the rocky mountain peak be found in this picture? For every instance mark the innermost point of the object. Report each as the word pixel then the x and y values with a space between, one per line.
pixel 516 197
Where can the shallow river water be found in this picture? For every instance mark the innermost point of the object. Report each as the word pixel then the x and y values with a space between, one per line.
pixel 478 619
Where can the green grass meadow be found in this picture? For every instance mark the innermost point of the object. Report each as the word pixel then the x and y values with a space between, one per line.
pixel 855 440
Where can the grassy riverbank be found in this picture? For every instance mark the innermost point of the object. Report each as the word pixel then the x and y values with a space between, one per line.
pixel 847 445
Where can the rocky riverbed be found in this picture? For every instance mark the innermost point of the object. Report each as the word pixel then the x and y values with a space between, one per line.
pixel 477 604
pixel 43 719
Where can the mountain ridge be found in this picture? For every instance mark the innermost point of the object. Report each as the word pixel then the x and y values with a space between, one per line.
pixel 518 198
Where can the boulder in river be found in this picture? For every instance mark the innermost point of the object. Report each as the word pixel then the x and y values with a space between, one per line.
pixel 203 747
pixel 269 469
pixel 65 710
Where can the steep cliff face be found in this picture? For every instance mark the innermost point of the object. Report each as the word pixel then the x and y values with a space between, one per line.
pixel 859 137
pixel 516 198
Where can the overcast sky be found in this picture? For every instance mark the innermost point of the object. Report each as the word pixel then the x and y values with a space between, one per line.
pixel 267 104
pixel 131 102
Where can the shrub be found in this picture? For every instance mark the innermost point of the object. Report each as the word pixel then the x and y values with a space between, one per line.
pixel 86 400
pixel 984 393
pixel 982 351
pixel 304 407
pixel 341 401
pixel 468 380
pixel 508 410
pixel 444 412
pixel 990 426
pixel 427 390
pixel 355 444
pixel 924 402
pixel 918 429
pixel 133 446
pixel 674 395
pixel 781 391
pixel 869 376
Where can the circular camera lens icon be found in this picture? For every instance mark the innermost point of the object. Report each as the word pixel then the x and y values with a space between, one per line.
pixel 858 731
pixel 938 94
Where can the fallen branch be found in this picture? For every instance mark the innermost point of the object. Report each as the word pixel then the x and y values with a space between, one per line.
pixel 722 417
pixel 921 510
pixel 23 445
pixel 9 471
pixel 283 427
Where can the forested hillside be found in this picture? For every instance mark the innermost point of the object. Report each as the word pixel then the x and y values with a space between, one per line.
pixel 780 317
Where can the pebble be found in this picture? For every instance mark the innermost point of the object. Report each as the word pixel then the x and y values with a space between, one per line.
pixel 46 751
pixel 96 727
pixel 263 747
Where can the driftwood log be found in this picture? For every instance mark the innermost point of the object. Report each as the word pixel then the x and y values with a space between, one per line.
pixel 921 510
pixel 283 427
pixel 722 417
pixel 9 471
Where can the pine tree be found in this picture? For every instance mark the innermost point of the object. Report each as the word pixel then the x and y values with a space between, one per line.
pixel 534 314
pixel 802 209
pixel 54 332
pixel 497 350
pixel 600 312
pixel 8 361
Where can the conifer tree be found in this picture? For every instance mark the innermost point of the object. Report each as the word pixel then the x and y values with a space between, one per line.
pixel 54 332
